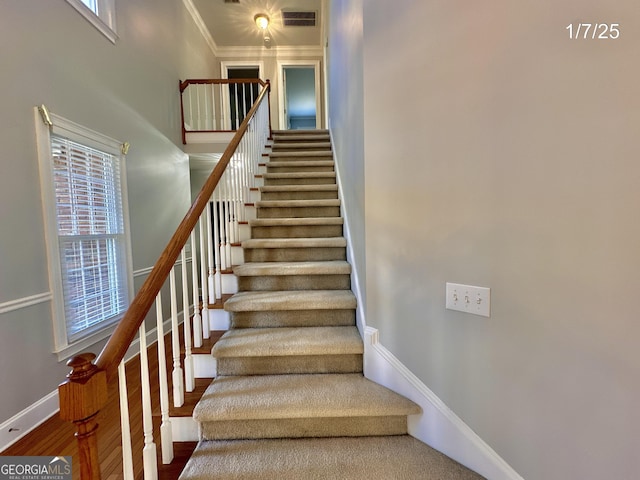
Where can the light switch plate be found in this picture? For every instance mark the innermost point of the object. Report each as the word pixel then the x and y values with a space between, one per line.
pixel 468 299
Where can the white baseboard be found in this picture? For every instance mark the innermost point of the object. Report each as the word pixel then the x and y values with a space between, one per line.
pixel 25 421
pixel 438 426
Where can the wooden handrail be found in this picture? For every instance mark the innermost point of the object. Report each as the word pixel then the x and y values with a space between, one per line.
pixel 220 81
pixel 116 348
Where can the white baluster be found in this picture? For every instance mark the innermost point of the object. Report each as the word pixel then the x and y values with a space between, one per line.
pixel 166 436
pixel 223 225
pixel 199 114
pixel 237 109
pixel 178 379
pixel 189 378
pixel 216 243
pixel 197 319
pixel 149 460
pixel 206 330
pixel 125 425
pixel 210 265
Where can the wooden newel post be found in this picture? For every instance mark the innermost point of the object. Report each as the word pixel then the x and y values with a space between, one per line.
pixel 82 396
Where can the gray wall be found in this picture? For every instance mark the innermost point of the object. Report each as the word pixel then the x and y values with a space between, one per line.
pixel 516 168
pixel 346 114
pixel 129 91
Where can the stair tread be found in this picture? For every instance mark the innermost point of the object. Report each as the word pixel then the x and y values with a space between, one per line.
pixel 299 175
pixel 291 300
pixel 302 153
pixel 391 457
pixel 298 188
pixel 278 222
pixel 302 163
pixel 298 203
pixel 288 341
pixel 330 267
pixel 299 396
pixel 324 242
pixel 294 144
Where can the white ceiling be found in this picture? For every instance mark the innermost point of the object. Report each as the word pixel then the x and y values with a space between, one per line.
pixel 232 24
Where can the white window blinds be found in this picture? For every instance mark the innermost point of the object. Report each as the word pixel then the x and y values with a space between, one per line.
pixel 91 236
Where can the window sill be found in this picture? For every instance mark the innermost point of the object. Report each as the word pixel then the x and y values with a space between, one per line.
pixel 107 30
pixel 66 351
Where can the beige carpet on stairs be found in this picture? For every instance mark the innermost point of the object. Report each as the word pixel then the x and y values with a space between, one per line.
pixel 290 401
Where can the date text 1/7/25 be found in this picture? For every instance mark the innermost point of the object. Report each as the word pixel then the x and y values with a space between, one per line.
pixel 594 31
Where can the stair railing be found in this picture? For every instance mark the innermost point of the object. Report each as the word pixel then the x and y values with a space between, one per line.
pixel 207 229
pixel 217 105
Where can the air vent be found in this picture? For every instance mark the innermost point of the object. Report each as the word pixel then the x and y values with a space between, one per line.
pixel 299 19
pixel 231 1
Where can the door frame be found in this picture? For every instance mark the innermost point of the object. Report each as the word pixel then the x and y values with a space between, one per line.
pixel 224 73
pixel 281 65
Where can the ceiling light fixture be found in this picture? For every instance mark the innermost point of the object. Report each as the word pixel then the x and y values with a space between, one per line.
pixel 262 21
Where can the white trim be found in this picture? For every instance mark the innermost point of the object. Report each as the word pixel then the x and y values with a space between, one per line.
pixel 146 271
pixel 278 51
pixel 105 23
pixel 281 64
pixel 437 426
pixel 17 304
pixel 197 19
pixel 184 429
pixel 28 419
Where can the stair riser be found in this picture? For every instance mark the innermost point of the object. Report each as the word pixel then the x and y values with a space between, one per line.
pixel 283 147
pixel 328 157
pixel 294 318
pixel 315 231
pixel 301 195
pixel 300 169
pixel 297 212
pixel 304 427
pixel 300 181
pixel 294 282
pixel 348 363
pixel 294 254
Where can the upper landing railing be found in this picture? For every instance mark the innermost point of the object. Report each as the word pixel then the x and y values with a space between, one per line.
pixel 205 233
pixel 217 105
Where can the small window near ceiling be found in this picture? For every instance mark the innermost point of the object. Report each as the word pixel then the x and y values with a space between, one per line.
pixel 84 194
pixel 100 13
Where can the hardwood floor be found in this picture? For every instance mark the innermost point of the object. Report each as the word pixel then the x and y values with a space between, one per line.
pixel 55 437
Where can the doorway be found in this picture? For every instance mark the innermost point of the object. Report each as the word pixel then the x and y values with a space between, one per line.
pixel 299 95
pixel 238 98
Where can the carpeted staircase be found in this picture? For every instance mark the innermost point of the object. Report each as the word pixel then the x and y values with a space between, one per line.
pixel 290 400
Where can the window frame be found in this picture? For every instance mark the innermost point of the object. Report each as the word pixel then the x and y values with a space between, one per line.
pixel 104 19
pixel 76 133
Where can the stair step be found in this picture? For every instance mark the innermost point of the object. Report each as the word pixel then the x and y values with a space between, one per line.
pixel 299 192
pixel 294 133
pixel 272 276
pixel 303 137
pixel 301 166
pixel 301 145
pixel 300 178
pixel 302 155
pixel 273 351
pixel 296 227
pixel 298 208
pixel 294 249
pixel 396 457
pixel 294 300
pixel 319 405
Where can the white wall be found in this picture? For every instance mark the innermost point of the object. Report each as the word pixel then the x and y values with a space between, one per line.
pixel 500 153
pixel 50 54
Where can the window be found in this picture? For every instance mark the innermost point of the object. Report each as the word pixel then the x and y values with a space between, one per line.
pixel 101 13
pixel 82 176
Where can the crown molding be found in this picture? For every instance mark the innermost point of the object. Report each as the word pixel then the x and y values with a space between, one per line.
pixel 276 51
pixel 193 11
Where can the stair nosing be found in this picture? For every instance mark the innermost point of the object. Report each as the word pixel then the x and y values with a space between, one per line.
pixel 326 267
pixel 263 301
